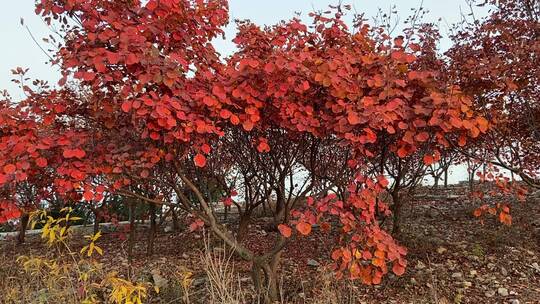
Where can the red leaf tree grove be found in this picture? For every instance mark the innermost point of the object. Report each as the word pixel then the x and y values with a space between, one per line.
pixel 146 102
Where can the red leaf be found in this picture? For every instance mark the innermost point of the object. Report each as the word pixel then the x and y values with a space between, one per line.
pixel 113 58
pixel 89 76
pixel 196 225
pixel 235 120
pixel 205 148
pixel 398 269
pixel 68 153
pixel 154 135
pixel 269 67
pixel 9 169
pixel 248 125
pixel 382 181
pixel 152 5
pixel 304 228
pixel 398 41
pixel 253 63
pixel 126 106
pixel 505 218
pixel 392 105
pixel 131 59
pixel 79 153
pixel 225 114
pixel 219 91
pixel 263 146
pixel 428 160
pixel 200 160
pixel 483 124
pixel 228 201
pixel 285 230
pixel 210 101
pixel 352 118
pixel 41 162
pixel 88 195
pixel 422 137
pixel 402 152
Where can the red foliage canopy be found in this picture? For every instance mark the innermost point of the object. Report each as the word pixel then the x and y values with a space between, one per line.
pixel 150 89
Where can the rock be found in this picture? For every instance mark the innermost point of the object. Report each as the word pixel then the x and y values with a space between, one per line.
pixel 504 272
pixel 420 265
pixel 185 256
pixel 199 282
pixel 159 280
pixel 514 301
pixel 441 250
pixel 219 250
pixel 168 229
pixel 457 275
pixel 432 213
pixel 535 266
pixel 313 263
pixel 489 293
pixel 413 281
pixel 502 291
pixel 467 284
pixel 473 273
pixel 474 258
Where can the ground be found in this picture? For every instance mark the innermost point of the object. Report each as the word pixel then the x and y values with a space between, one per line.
pixel 453 258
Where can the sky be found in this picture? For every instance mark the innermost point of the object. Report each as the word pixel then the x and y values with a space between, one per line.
pixel 19 49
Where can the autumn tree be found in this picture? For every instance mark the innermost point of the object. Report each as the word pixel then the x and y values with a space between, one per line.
pixel 359 89
pixel 491 63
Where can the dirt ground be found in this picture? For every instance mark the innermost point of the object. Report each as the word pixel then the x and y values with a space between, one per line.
pixel 453 257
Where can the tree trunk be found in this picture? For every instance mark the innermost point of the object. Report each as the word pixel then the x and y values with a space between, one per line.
pixel 152 231
pixel 243 225
pixel 471 182
pixel 22 228
pixel 265 211
pixel 265 279
pixel 436 184
pixel 96 221
pixel 446 178
pixel 131 237
pixel 175 222
pixel 396 213
pixel 226 216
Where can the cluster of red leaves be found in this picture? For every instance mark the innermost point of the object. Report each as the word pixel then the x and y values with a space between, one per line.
pixel 8 211
pixel 365 249
pixel 134 62
pixel 500 190
pixel 329 81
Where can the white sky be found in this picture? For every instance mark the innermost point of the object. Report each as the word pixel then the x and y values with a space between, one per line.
pixel 18 48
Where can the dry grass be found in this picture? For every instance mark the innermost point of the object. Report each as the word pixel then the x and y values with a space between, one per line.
pixel 223 283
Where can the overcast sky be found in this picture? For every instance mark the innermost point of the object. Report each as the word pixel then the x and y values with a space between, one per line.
pixel 18 48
